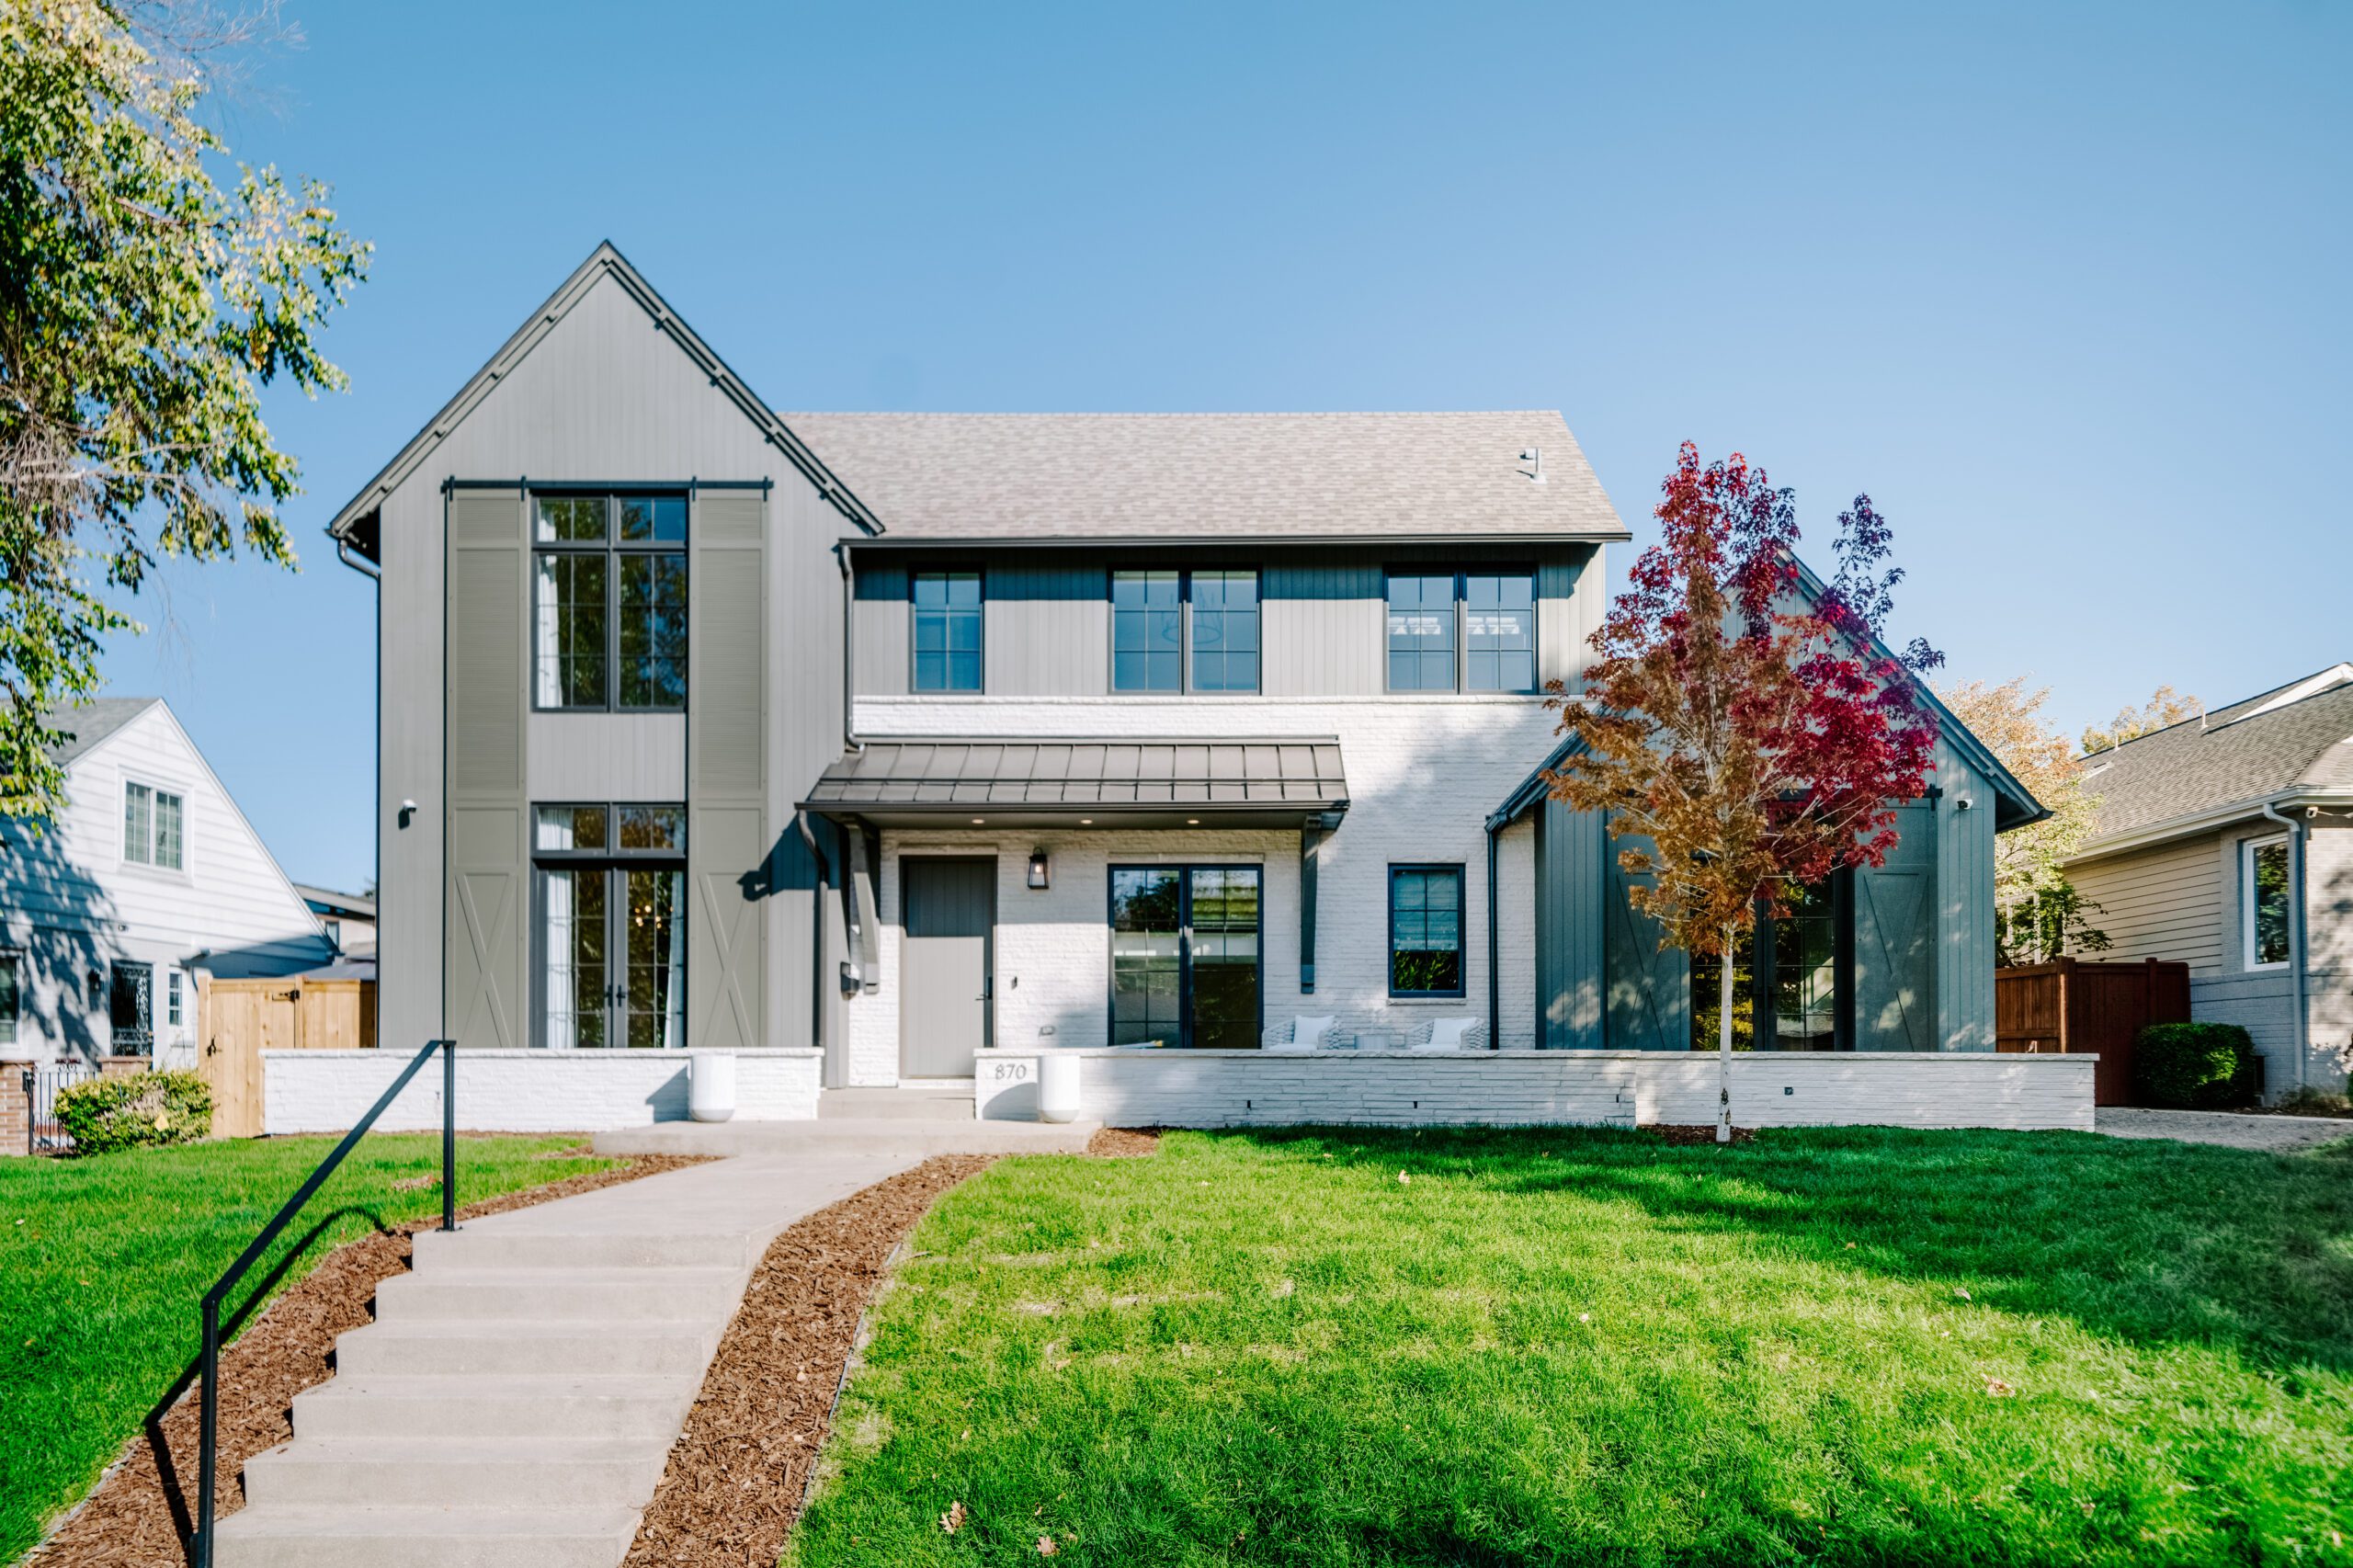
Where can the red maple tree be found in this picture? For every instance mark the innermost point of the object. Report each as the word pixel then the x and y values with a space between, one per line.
pixel 1742 735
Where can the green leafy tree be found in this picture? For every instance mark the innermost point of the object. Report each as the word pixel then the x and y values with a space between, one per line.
pixel 148 289
pixel 2039 914
pixel 2165 706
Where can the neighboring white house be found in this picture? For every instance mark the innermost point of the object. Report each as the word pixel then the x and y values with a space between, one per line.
pixel 149 878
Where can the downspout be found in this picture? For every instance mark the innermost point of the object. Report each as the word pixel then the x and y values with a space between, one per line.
pixel 816 938
pixel 2295 927
pixel 374 574
pixel 849 647
pixel 1494 979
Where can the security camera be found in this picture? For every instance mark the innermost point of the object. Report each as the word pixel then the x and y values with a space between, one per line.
pixel 1962 802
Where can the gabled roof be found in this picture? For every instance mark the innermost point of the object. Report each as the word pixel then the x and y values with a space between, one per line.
pixel 2294 738
pixel 92 722
pixel 602 263
pixel 1099 477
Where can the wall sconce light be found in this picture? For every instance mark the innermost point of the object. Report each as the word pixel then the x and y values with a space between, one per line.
pixel 1037 870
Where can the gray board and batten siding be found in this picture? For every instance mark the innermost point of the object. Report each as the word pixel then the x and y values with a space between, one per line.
pixel 1046 617
pixel 1922 960
pixel 604 384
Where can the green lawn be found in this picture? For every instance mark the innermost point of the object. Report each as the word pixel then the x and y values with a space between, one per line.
pixel 103 1261
pixel 1849 1345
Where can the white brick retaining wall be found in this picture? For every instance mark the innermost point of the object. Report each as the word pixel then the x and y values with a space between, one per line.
pixel 1240 1088
pixel 524 1091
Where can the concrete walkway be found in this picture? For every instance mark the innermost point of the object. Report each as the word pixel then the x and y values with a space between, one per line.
pixel 2231 1130
pixel 514 1401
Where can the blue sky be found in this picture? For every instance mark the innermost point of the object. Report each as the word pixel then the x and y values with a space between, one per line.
pixel 2064 288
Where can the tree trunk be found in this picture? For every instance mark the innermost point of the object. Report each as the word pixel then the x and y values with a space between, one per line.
pixel 1723 1045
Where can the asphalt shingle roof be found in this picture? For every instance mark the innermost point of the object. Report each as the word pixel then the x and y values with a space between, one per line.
pixel 93 721
pixel 2237 755
pixel 998 476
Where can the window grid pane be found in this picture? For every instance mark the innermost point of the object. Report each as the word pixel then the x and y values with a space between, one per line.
pixel 1145 910
pixel 947 631
pixel 570 633
pixel 1147 630
pixel 167 831
pixel 1421 632
pixel 1225 630
pixel 1425 932
pixel 654 630
pixel 138 823
pixel 2268 896
pixel 1499 632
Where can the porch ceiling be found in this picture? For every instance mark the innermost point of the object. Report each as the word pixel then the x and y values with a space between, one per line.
pixel 1240 783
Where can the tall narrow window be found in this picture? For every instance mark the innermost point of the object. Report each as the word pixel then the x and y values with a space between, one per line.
pixel 947 631
pixel 1426 930
pixel 1225 630
pixel 2266 895
pixel 608 602
pixel 1147 631
pixel 1421 632
pixel 172 997
pixel 1499 631
pixel 152 824
pixel 12 981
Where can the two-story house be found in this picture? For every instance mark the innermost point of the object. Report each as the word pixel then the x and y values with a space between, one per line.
pixel 861 744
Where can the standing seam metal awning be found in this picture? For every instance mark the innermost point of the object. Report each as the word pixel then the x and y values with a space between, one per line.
pixel 1274 779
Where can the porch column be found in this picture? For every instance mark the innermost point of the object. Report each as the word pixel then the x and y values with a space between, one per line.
pixel 1311 839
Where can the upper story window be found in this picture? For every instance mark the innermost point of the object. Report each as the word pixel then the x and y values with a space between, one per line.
pixel 608 592
pixel 1462 632
pixel 2264 882
pixel 152 820
pixel 947 631
pixel 1175 630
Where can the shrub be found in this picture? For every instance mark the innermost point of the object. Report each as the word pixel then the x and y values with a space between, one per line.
pixel 138 1112
pixel 2194 1066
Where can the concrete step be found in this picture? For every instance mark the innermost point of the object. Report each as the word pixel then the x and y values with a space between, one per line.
pixel 553 1295
pixel 494 1405
pixel 449 1346
pixel 951 1101
pixel 511 1248
pixel 553 1472
pixel 891 1137
pixel 395 1536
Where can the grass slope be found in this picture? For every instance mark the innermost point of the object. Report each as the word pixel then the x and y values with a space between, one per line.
pixel 1841 1346
pixel 103 1261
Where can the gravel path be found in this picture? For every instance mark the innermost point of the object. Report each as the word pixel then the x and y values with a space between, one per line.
pixel 2275 1134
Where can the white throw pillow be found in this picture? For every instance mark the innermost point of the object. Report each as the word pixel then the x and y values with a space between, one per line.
pixel 1446 1034
pixel 1306 1034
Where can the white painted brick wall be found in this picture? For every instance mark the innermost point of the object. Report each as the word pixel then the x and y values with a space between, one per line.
pixel 1149 1088
pixel 523 1091
pixel 1423 774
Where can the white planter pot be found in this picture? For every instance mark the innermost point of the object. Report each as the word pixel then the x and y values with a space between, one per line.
pixel 711 1085
pixel 1058 1085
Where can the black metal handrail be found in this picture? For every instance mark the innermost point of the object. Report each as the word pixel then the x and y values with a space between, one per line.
pixel 208 1444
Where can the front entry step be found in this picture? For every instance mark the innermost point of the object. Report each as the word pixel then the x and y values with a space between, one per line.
pixel 377 1535
pixel 945 1100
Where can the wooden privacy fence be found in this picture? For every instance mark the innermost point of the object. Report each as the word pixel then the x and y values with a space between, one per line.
pixel 242 1018
pixel 2073 1006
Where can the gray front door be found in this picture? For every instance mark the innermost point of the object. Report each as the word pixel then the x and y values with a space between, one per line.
pixel 950 919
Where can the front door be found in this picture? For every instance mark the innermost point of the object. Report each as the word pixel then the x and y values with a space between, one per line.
pixel 612 953
pixel 131 1009
pixel 1185 955
pixel 950 908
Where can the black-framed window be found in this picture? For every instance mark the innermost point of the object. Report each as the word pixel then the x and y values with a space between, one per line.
pixel 945 632
pixel 1499 631
pixel 1185 630
pixel 1805 958
pixel 608 602
pixel 609 914
pixel 1426 931
pixel 1421 631
pixel 1461 631
pixel 1186 961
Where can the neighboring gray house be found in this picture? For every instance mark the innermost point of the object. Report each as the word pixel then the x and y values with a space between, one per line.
pixel 889 739
pixel 349 919
pixel 148 879
pixel 2226 842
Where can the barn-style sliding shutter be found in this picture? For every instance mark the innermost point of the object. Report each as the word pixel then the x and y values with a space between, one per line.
pixel 726 768
pixel 485 897
pixel 1649 993
pixel 1895 909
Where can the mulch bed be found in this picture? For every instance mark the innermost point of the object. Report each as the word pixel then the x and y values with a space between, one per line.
pixel 1682 1133
pixel 739 1473
pixel 131 1520
pixel 1124 1142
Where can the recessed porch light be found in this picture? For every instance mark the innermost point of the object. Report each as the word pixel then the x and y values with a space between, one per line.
pixel 979 821
pixel 1192 822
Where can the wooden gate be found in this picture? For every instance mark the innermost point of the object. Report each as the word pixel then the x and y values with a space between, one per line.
pixel 242 1018
pixel 2071 1005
